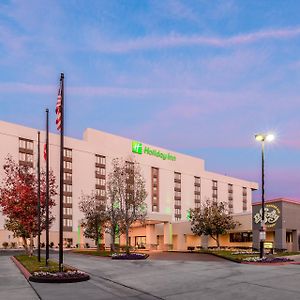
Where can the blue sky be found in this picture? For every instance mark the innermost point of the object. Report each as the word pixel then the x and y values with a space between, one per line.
pixel 198 77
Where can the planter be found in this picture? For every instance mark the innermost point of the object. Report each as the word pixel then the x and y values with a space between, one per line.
pixel 60 277
pixel 267 260
pixel 72 275
pixel 131 256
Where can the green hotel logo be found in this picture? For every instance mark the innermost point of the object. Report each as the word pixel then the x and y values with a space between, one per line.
pixel 138 148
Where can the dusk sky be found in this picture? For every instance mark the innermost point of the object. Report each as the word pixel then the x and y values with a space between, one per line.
pixel 197 77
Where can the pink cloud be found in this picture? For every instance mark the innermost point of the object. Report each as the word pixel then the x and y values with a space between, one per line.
pixel 174 40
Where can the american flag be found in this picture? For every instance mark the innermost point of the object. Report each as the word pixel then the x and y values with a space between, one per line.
pixel 58 110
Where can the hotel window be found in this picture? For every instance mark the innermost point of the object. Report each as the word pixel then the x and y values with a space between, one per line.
pixel 240 237
pixel 67 153
pixel 244 199
pixel 67 200
pixel 67 191
pixel 67 210
pixel 177 195
pixel 68 223
pixel 67 176
pixel 215 190
pixel 155 189
pixel 26 144
pixel 100 159
pixel 26 152
pixel 67 164
pixel 100 181
pixel 100 192
pixel 230 198
pixel 67 188
pixel 197 192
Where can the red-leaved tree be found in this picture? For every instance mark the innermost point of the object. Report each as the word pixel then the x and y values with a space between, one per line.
pixel 19 200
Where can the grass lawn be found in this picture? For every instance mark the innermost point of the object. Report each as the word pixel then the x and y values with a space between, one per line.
pixel 93 252
pixel 32 264
pixel 240 257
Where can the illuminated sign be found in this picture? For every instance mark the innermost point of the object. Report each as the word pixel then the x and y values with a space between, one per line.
pixel 272 214
pixel 137 147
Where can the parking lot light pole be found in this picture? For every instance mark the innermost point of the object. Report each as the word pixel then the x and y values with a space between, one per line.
pixel 262 232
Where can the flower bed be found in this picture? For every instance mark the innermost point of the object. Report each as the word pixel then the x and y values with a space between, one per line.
pixel 36 271
pixel 59 277
pixel 245 253
pixel 133 256
pixel 268 260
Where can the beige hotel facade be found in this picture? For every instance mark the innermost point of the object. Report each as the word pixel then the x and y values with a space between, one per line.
pixel 175 183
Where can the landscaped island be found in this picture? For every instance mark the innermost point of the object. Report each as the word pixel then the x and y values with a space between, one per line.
pixel 36 271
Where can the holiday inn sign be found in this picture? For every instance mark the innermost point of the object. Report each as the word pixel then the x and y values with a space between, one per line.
pixel 138 148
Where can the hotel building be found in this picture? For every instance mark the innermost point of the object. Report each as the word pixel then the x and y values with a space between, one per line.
pixel 175 183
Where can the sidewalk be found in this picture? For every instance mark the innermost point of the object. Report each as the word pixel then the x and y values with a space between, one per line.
pixel 13 285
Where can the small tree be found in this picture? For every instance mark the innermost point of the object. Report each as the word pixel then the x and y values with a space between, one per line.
pixel 114 216
pixel 127 193
pixel 211 219
pixel 95 217
pixel 19 199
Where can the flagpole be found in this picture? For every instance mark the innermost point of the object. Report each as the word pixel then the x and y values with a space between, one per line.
pixel 47 186
pixel 61 176
pixel 39 197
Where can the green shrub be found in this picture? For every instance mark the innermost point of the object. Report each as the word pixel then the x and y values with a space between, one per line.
pixel 13 245
pixel 5 245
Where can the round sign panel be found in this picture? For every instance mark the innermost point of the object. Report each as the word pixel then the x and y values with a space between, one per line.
pixel 272 214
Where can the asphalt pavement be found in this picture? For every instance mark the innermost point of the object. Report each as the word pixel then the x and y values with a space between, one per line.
pixel 156 278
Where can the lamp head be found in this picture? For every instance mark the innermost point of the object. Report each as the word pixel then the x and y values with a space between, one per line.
pixel 270 137
pixel 261 137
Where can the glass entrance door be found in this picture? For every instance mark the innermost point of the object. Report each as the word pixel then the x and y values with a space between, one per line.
pixel 140 242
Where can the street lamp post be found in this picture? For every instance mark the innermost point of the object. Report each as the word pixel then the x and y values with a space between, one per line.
pixel 262 232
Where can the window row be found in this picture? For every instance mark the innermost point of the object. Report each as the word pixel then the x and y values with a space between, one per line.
pixel 100 159
pixel 68 176
pixel 100 171
pixel 100 192
pixel 67 199
pixel 67 223
pixel 67 211
pixel 25 144
pixel 67 165
pixel 67 188
pixel 67 152
pixel 26 157
pixel 240 237
pixel 100 181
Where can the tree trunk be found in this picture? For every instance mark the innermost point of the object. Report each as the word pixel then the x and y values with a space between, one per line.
pixel 97 237
pixel 113 238
pixel 31 245
pixel 127 239
pixel 218 242
pixel 25 245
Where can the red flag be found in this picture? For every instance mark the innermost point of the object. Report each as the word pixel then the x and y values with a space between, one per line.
pixel 58 110
pixel 45 151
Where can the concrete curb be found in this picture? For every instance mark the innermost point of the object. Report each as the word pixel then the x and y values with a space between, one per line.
pixel 22 269
pixel 270 264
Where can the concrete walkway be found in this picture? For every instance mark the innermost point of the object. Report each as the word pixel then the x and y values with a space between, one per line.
pixel 13 285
